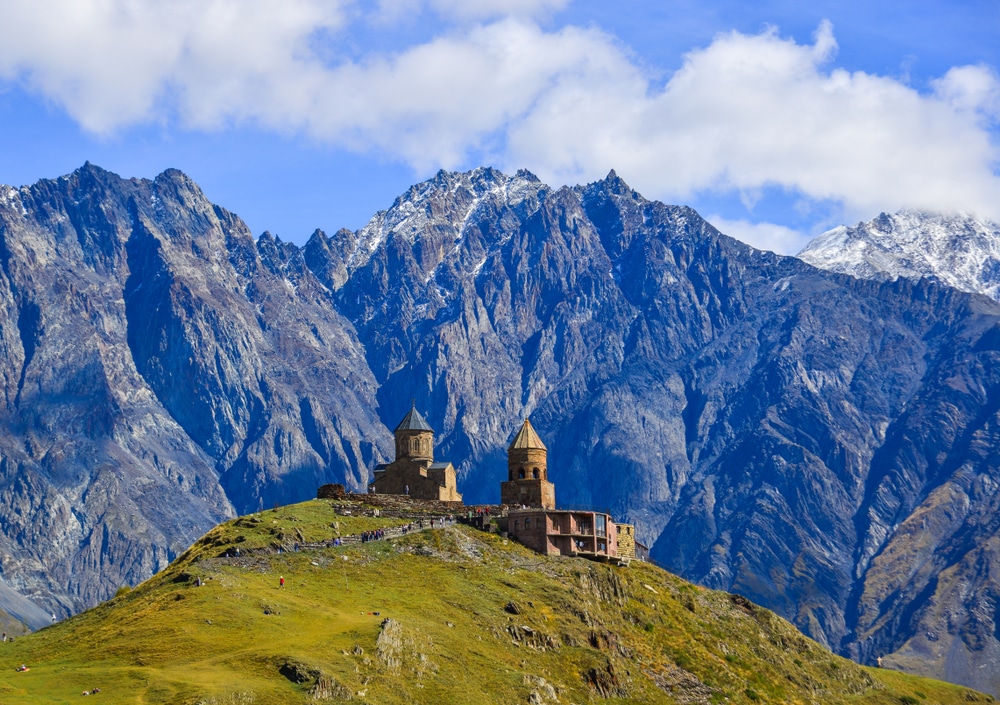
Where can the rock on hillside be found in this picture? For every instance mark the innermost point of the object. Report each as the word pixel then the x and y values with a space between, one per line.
pixel 959 250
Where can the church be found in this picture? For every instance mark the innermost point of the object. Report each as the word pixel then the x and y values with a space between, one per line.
pixel 414 472
pixel 533 520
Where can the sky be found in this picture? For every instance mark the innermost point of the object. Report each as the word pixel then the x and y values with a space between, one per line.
pixel 776 121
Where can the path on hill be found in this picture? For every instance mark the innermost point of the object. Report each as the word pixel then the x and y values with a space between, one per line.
pixel 234 554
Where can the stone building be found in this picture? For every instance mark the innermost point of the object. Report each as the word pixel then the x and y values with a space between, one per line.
pixel 626 541
pixel 554 532
pixel 414 471
pixel 533 519
pixel 527 472
pixel 629 547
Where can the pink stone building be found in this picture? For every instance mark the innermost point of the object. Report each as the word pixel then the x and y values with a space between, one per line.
pixel 556 532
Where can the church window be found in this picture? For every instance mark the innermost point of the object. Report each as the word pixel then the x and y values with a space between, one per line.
pixel 534 473
pixel 516 523
pixel 527 523
pixel 520 474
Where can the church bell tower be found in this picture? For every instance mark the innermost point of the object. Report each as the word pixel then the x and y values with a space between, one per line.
pixel 414 438
pixel 527 472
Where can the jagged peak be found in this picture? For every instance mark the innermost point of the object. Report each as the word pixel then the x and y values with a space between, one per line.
pixel 91 168
pixel 527 176
pixel 612 183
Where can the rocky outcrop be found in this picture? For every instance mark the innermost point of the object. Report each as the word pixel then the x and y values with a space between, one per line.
pixel 819 443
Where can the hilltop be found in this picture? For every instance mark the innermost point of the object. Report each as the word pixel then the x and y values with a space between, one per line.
pixel 443 615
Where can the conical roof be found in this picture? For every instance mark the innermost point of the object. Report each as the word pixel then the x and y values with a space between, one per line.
pixel 527 439
pixel 413 421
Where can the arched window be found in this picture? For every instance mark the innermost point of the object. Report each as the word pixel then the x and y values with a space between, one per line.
pixel 527 523
pixel 515 525
pixel 534 473
pixel 520 474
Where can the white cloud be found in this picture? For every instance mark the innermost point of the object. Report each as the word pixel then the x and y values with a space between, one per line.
pixel 763 236
pixel 745 113
pixel 113 63
pixel 749 112
pixel 971 89
pixel 474 10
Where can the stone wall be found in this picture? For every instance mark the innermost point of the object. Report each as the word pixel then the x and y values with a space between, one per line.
pixel 530 493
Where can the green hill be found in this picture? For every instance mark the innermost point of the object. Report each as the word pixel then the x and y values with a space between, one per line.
pixel 442 615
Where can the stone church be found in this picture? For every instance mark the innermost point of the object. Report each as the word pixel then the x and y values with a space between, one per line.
pixel 414 471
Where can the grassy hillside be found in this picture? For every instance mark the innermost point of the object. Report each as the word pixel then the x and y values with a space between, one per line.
pixel 443 615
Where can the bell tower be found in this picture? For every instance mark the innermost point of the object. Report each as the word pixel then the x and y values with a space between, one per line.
pixel 527 472
pixel 414 438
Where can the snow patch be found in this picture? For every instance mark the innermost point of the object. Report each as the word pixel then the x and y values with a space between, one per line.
pixel 959 250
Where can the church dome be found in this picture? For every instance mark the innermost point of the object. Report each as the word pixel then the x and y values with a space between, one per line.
pixel 413 421
pixel 527 439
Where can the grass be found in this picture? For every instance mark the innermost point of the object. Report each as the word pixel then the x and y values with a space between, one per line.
pixel 585 632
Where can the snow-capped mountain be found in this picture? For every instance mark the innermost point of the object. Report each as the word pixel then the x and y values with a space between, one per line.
pixel 959 250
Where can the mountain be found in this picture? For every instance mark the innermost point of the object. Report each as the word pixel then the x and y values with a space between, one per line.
pixel 442 615
pixel 959 250
pixel 160 371
pixel 821 444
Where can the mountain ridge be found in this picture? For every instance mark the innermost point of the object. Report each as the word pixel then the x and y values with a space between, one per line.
pixel 760 421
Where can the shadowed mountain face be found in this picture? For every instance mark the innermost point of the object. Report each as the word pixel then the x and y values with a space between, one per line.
pixel 159 369
pixel 821 444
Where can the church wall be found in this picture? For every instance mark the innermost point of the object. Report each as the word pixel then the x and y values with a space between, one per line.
pixel 423 483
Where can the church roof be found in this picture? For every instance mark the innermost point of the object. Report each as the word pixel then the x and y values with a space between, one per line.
pixel 413 421
pixel 527 438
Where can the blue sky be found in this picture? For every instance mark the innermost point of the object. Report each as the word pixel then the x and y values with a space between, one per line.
pixel 776 120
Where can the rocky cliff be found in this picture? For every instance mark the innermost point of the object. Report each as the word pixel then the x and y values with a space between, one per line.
pixel 819 443
pixel 160 369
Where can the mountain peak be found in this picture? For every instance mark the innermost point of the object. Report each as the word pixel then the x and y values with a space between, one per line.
pixel 958 249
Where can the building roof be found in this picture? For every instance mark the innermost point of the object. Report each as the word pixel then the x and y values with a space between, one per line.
pixel 527 439
pixel 413 421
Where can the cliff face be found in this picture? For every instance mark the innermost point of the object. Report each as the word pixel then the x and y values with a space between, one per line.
pixel 159 369
pixel 821 444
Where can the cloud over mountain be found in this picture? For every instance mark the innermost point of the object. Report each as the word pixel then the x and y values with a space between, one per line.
pixel 746 113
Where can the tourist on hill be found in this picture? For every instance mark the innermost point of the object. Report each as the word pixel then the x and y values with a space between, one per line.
pixel 281 581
